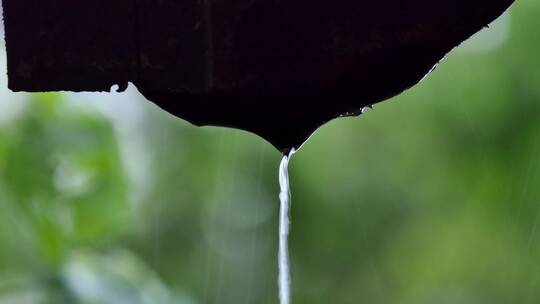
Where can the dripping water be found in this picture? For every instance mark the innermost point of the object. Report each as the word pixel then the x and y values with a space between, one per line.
pixel 284 279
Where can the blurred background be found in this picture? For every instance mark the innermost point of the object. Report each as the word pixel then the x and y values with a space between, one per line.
pixel 432 197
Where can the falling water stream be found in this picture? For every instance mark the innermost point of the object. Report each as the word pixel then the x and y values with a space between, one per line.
pixel 284 280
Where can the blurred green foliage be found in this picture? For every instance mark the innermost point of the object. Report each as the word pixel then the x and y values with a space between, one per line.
pixel 430 198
